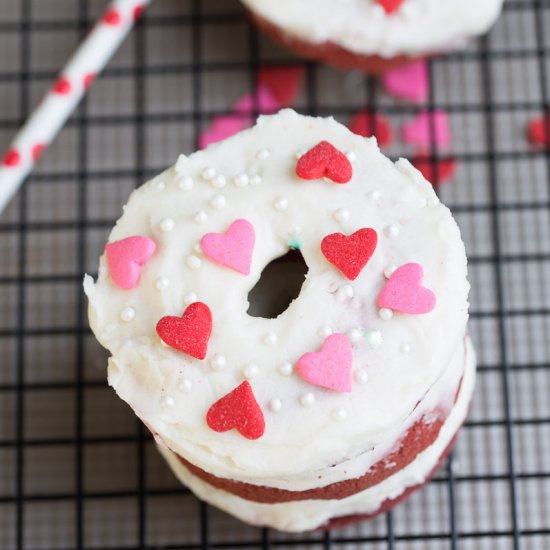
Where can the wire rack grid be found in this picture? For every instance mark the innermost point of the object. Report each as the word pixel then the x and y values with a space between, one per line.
pixel 77 470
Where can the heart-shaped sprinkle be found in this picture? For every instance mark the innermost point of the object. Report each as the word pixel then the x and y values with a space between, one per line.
pixel 367 124
pixel 239 410
pixel 537 131
pixel 190 332
pixel 232 249
pixel 331 367
pixel 404 291
pixel 324 161
pixel 428 129
pixel 410 82
pixel 438 172
pixel 125 257
pixel 390 6
pixel 350 253
pixel 283 82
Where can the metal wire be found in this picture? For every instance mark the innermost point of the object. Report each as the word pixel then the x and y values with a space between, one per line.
pixel 78 471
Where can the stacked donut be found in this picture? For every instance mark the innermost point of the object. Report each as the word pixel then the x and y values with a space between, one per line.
pixel 373 35
pixel 341 405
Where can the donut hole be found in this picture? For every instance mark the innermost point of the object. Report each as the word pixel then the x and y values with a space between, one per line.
pixel 279 284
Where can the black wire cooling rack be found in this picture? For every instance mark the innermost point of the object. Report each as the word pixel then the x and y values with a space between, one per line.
pixel 76 468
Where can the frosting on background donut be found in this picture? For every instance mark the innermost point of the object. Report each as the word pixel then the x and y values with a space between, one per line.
pixel 362 26
pixel 403 364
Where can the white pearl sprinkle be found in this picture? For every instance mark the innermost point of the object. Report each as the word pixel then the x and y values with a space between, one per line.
pixel 356 303
pixel 185 183
pixel 405 348
pixel 185 385
pixel 218 181
pixel 217 202
pixel 255 179
pixel 324 331
pixel 348 291
pixel 218 362
pixel 285 369
pixel 373 338
pixel 128 314
pixel 168 401
pixel 342 215
pixel 166 225
pixel 270 338
pixel 262 154
pixel 385 314
pixel 339 414
pixel 332 287
pixel 241 180
pixel 280 204
pixel 307 399
pixel 193 262
pixel 351 155
pixel 250 371
pixel 361 376
pixel 275 405
pixel 392 231
pixel 374 195
pixel 354 334
pixel 162 283
pixel 160 185
pixel 209 173
pixel 389 270
pixel 200 217
pixel 190 298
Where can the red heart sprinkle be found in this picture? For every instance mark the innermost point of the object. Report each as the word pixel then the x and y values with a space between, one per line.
pixel 444 169
pixel 62 86
pixel 12 158
pixel 283 82
pixel 240 410
pixel 324 161
pixel 37 150
pixel 88 80
pixel 537 131
pixel 390 6
pixel 350 253
pixel 368 124
pixel 190 332
pixel 111 17
pixel 138 11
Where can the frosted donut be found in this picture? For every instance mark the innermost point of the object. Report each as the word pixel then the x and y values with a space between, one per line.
pixel 343 403
pixel 373 34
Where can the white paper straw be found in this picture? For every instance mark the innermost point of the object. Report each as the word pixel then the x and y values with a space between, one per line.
pixel 60 101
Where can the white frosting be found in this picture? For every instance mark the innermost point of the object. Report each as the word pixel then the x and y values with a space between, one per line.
pixel 304 434
pixel 363 27
pixel 309 514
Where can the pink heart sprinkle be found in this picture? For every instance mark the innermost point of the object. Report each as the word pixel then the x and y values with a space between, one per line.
pixel 233 248
pixel 262 101
pixel 221 128
pixel 410 82
pixel 125 257
pixel 331 367
pixel 428 129
pixel 404 292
